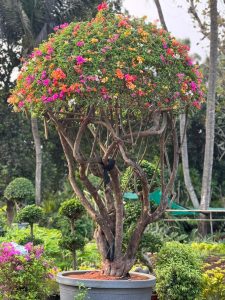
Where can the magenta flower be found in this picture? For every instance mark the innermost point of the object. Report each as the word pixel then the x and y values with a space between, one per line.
pixel 80 60
pixel 80 43
pixel 21 104
pixel 193 86
pixel 46 82
pixel 43 75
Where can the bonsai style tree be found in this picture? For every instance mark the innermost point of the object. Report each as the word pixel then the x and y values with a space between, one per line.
pixel 72 209
pixel 20 190
pixel 30 214
pixel 110 85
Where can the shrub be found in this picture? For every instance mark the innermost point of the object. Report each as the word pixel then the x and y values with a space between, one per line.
pixel 24 272
pixel 30 214
pixel 178 272
pixel 20 189
pixel 214 282
pixel 50 238
pixel 72 209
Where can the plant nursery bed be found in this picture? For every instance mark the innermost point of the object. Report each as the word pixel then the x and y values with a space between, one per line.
pixel 96 275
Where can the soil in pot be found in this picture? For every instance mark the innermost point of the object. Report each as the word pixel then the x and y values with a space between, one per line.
pixel 96 275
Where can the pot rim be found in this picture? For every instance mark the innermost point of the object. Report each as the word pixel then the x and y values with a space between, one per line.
pixel 63 279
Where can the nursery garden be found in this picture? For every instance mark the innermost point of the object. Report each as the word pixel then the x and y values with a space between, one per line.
pixel 112 154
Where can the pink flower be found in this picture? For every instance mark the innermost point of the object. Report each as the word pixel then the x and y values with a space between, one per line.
pixel 80 43
pixel 80 60
pixel 43 75
pixel 19 268
pixel 50 50
pixel 21 104
pixel 196 104
pixel 162 58
pixel 130 78
pixel 46 82
pixel 193 86
pixel 102 6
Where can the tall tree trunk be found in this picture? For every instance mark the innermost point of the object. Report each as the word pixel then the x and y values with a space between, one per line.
pixel 185 162
pixel 160 13
pixel 10 211
pixel 184 152
pixel 210 113
pixel 38 152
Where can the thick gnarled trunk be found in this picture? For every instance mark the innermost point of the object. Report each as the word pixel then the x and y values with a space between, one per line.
pixel 108 211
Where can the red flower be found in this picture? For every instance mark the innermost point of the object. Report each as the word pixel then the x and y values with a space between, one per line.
pixel 102 6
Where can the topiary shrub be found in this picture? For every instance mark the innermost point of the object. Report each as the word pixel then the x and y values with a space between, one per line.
pixel 72 209
pixel 178 272
pixel 20 189
pixel 30 214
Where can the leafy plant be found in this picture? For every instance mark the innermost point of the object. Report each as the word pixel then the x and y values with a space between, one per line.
pixel 24 272
pixel 30 214
pixel 83 293
pixel 72 210
pixel 178 272
pixel 20 189
pixel 214 280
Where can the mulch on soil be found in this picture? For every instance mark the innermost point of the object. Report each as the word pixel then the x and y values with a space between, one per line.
pixel 96 275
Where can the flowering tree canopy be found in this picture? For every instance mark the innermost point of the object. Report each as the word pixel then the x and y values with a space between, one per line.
pixel 109 60
pixel 116 82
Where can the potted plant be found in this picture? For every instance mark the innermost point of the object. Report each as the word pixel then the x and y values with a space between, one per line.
pixel 111 86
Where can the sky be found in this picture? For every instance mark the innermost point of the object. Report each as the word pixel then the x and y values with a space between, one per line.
pixel 176 16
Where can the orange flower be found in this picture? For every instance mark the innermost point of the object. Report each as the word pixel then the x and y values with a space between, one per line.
pixel 130 85
pixel 58 74
pixel 119 74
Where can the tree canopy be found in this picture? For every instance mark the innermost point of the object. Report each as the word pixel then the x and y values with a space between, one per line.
pixel 110 60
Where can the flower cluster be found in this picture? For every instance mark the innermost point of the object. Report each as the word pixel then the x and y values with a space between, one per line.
pixel 23 271
pixel 112 59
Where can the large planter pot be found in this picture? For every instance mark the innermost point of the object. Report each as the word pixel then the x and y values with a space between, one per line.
pixel 105 289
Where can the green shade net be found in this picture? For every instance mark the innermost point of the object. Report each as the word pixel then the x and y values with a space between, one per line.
pixel 155 197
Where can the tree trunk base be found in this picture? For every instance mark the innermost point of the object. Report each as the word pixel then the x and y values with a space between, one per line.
pixel 118 268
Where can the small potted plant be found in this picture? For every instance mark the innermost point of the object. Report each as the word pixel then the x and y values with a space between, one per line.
pixel 111 86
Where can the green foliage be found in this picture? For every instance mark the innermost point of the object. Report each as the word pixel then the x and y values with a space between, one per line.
pixel 30 214
pixel 214 279
pixel 72 209
pixel 207 249
pixel 83 293
pixel 178 272
pixel 130 182
pixel 20 189
pixel 29 239
pixel 72 242
pixel 24 275
pixel 89 257
pixel 50 238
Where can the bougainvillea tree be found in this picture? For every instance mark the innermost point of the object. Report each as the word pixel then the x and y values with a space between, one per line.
pixel 109 85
